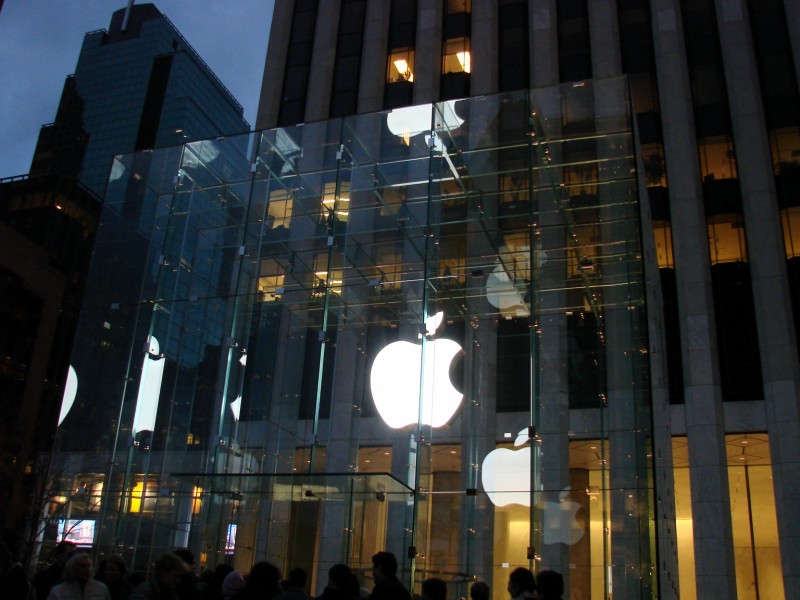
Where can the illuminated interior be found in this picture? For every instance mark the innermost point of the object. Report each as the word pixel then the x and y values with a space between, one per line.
pixel 401 66
pixel 755 529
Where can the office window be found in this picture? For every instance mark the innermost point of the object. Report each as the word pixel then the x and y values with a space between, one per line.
pixel 454 7
pixel 401 66
pixel 456 56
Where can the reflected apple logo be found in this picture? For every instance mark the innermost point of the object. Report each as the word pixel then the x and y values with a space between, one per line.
pixel 70 391
pixel 506 476
pixel 560 524
pixel 395 381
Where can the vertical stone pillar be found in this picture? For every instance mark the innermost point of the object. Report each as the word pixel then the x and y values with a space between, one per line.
pixel 765 252
pixel 713 537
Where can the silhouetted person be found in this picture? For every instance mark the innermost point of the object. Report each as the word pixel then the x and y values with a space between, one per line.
pixel 294 588
pixel 384 573
pixel 479 591
pixel 51 576
pixel 214 579
pixel 342 584
pixel 263 582
pixel 78 582
pixel 232 585
pixel 13 580
pixel 167 572
pixel 434 589
pixel 521 584
pixel 550 585
pixel 114 573
pixel 187 587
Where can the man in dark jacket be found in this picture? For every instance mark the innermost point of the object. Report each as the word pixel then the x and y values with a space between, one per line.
pixel 384 573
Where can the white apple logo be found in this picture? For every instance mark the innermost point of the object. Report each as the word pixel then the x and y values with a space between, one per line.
pixel 559 523
pixel 506 474
pixel 395 381
pixel 70 389
pixel 144 418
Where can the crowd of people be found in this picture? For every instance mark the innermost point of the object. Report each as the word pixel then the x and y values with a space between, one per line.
pixel 71 576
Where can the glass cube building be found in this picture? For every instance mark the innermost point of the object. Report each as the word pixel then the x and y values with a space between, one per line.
pixel 422 330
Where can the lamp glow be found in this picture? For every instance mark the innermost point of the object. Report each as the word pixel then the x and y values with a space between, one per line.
pixel 144 419
pixel 464 61
pixel 395 381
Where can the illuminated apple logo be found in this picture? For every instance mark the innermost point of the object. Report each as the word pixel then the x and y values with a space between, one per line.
pixel 70 390
pixel 395 381
pixel 559 522
pixel 505 474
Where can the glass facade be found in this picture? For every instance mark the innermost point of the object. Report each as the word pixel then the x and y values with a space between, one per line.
pixel 421 330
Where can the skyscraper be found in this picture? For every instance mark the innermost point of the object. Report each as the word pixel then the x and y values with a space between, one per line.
pixel 138 85
pixel 502 283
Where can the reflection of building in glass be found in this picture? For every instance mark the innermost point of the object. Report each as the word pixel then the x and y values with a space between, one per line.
pixel 714 88
pixel 365 336
pixel 138 85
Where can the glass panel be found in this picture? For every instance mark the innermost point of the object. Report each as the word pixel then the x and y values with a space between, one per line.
pixel 312 343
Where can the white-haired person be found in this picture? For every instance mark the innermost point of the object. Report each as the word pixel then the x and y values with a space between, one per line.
pixel 79 583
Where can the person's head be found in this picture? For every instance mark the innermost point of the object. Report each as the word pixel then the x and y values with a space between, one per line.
pixel 231 585
pixel 520 581
pixel 384 566
pixel 63 551
pixel 339 577
pixel 297 578
pixel 78 569
pixel 186 556
pixel 169 568
pixel 550 585
pixel 479 591
pixel 264 577
pixel 112 569
pixel 434 589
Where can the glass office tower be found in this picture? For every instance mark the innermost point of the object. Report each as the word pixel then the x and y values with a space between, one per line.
pixel 421 330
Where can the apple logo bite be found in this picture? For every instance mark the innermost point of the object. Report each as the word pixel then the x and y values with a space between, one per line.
pixel 395 381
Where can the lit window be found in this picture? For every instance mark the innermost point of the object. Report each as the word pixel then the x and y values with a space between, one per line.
pixel 717 158
pixel 197 500
pixel 456 56
pixel 726 241
pixel 329 203
pixel 662 230
pixel 136 497
pixel 790 219
pixel 270 280
pixel 401 66
pixel 454 7
pixel 279 211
